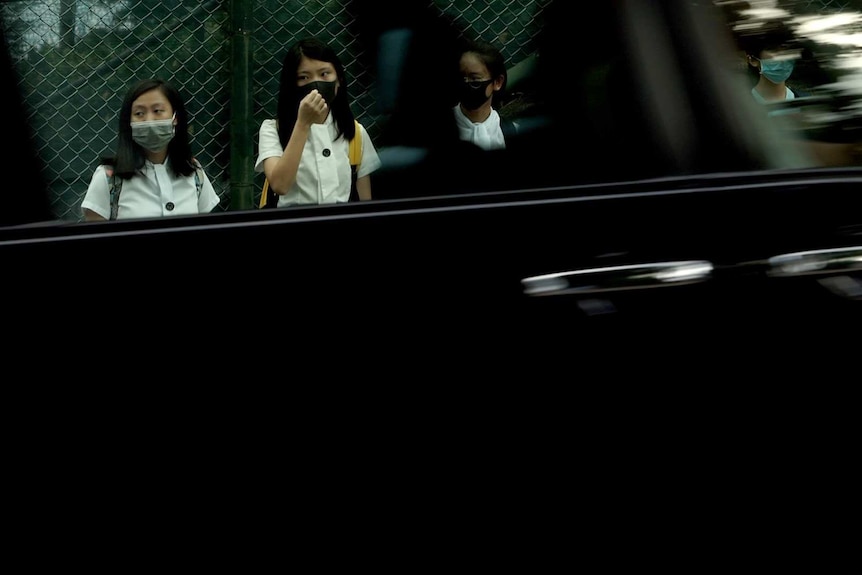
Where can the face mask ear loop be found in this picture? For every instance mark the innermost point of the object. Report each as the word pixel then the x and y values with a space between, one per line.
pixel 754 61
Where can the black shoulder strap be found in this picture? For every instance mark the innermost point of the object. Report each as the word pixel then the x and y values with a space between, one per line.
pixel 509 127
pixel 115 186
pixel 199 178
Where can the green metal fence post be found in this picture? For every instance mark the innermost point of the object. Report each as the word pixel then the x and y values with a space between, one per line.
pixel 241 128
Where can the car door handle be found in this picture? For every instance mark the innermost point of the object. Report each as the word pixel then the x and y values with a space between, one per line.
pixel 832 268
pixel 830 261
pixel 616 278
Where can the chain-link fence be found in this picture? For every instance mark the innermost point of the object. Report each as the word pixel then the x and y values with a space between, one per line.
pixel 76 59
pixel 828 5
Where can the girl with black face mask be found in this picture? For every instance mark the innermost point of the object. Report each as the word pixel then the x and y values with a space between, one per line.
pixel 484 76
pixel 304 150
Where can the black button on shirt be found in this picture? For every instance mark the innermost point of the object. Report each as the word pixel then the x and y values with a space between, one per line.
pixel 169 206
pixel 326 152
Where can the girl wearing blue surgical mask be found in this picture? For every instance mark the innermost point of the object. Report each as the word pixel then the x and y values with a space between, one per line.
pixel 153 167
pixel 303 151
pixel 771 54
pixel 774 68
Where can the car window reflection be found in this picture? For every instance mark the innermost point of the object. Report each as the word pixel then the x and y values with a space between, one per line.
pixel 802 70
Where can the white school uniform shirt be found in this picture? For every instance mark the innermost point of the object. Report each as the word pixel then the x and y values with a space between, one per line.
pixel 324 174
pixel 488 135
pixel 153 192
pixel 788 95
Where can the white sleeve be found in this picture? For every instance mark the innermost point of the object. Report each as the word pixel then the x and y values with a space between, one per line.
pixel 208 199
pixel 268 144
pixel 97 198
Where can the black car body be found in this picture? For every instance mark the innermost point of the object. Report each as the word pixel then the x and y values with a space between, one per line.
pixel 667 220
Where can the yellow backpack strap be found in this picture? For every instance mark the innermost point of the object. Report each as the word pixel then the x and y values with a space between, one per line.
pixel 264 193
pixel 262 202
pixel 355 151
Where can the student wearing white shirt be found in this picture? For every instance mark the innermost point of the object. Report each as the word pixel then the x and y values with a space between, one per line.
pixel 484 76
pixel 157 173
pixel 303 152
pixel 771 55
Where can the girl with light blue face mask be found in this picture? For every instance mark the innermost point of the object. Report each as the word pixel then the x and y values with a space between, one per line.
pixel 774 70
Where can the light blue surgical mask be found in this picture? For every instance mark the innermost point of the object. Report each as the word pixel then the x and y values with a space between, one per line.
pixel 776 71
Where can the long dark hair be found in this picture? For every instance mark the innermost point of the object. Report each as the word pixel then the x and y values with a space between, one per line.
pixel 288 91
pixel 130 156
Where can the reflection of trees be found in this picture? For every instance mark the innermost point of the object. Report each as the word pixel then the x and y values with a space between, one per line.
pixel 67 23
pixel 13 26
pixel 33 25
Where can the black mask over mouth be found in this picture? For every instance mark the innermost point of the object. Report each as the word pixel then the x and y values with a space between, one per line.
pixel 473 94
pixel 326 89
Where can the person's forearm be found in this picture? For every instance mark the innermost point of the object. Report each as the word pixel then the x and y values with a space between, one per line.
pixel 283 175
pixel 363 187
